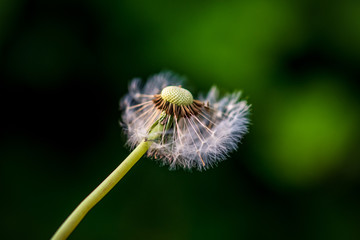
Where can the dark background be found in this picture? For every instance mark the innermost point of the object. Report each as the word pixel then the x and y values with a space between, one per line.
pixel 64 65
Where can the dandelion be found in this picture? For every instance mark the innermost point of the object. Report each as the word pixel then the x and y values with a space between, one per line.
pixel 195 133
pixel 163 120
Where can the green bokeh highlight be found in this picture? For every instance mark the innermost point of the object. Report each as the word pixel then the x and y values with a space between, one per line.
pixel 308 131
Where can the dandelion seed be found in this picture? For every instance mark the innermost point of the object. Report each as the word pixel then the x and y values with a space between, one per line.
pixel 195 134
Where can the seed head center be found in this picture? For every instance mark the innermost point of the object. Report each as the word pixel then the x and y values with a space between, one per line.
pixel 177 95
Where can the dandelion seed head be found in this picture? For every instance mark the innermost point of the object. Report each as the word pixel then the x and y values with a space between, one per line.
pixel 195 133
pixel 177 95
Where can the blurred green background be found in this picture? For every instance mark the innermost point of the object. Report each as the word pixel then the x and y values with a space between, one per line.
pixel 64 65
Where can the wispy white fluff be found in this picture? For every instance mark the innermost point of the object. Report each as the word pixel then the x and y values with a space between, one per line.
pixel 200 141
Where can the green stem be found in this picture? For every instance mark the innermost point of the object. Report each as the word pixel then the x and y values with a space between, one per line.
pixel 95 196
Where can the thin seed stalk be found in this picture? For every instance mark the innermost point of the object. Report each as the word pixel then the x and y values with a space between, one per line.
pixel 95 196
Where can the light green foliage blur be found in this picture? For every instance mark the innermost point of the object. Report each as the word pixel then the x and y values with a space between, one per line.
pixel 308 131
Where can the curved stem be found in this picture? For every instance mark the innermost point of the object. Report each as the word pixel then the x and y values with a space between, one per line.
pixel 95 196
